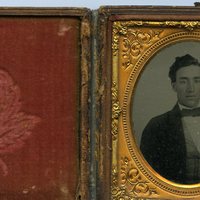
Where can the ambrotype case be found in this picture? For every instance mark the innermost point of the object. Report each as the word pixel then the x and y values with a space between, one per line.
pixel 44 97
pixel 138 45
pixel 76 97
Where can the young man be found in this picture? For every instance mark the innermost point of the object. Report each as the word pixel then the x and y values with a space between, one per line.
pixel 171 142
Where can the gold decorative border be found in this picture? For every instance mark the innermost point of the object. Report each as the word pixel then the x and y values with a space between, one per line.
pixel 116 111
pixel 133 44
pixel 121 28
pixel 162 184
pixel 128 184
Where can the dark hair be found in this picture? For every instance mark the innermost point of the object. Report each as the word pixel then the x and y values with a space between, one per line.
pixel 180 62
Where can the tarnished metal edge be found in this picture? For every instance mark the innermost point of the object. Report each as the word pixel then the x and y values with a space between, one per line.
pixel 44 11
pixel 93 108
pixel 104 115
pixel 85 68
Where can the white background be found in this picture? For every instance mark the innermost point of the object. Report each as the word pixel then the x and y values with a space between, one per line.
pixel 92 4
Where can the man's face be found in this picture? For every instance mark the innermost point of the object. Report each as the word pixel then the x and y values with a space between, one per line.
pixel 187 86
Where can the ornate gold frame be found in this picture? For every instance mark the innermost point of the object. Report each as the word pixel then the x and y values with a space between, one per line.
pixel 133 44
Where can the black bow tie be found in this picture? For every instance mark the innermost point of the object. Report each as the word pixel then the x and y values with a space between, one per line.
pixel 190 112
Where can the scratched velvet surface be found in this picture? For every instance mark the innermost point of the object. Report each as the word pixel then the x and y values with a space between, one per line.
pixel 41 55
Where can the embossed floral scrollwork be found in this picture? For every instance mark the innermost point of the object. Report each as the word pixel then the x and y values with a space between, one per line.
pixel 135 42
pixel 134 47
pixel 118 29
pixel 127 183
pixel 133 176
pixel 116 111
pixel 189 25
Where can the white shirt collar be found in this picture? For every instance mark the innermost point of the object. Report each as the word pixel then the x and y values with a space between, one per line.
pixel 185 107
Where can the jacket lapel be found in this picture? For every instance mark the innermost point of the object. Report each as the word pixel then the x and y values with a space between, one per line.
pixel 176 133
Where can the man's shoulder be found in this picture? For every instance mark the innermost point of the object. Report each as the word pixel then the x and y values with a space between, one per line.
pixel 162 117
pixel 165 118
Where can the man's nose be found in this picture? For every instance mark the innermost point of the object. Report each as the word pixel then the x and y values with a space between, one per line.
pixel 190 87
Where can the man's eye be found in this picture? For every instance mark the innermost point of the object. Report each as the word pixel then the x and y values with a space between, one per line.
pixel 183 81
pixel 197 80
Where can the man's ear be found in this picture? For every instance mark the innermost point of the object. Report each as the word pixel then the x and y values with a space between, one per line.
pixel 174 86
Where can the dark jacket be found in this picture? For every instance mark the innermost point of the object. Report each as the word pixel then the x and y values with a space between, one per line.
pixel 163 145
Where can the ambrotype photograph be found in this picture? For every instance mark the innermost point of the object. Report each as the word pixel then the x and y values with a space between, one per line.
pixel 167 112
